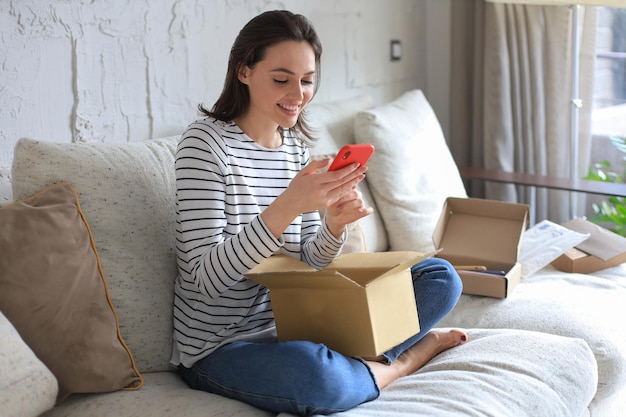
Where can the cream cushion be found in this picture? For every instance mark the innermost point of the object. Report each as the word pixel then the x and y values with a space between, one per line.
pixel 27 387
pixel 126 192
pixel 412 171
pixel 163 394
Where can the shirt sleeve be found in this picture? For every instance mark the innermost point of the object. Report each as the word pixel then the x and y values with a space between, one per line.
pixel 208 258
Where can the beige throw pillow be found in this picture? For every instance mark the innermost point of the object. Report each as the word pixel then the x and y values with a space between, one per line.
pixel 412 171
pixel 55 294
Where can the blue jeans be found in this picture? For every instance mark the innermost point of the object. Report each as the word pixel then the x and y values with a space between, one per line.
pixel 306 378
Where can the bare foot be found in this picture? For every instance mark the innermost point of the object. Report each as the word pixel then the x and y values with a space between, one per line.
pixel 417 355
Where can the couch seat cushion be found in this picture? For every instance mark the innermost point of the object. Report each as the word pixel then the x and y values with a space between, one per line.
pixel 164 394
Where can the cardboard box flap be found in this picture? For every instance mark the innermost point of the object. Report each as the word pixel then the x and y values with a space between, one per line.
pixel 284 271
pixel 376 265
pixel 298 279
pixel 602 243
pixel 281 263
pixel 408 263
pixel 348 271
pixel 377 260
pixel 492 209
pixel 477 231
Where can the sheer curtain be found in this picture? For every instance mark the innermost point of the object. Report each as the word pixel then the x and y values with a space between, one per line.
pixel 511 96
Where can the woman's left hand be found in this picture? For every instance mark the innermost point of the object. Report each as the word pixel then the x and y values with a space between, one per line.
pixel 348 209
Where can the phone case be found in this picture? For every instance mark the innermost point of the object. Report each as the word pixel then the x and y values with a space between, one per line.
pixel 350 154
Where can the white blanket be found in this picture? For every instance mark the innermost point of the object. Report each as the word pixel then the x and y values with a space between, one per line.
pixel 591 307
pixel 498 373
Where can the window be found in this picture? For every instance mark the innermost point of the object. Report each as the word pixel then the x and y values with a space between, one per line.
pixel 609 101
pixel 609 93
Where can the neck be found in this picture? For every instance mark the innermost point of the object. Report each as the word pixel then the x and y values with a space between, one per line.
pixel 267 136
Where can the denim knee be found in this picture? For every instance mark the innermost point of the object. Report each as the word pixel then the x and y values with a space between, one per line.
pixel 441 278
pixel 337 382
pixel 298 377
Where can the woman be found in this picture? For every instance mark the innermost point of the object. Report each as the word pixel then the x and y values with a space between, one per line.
pixel 246 190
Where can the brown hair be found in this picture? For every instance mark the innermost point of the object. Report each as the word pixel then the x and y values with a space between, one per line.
pixel 250 46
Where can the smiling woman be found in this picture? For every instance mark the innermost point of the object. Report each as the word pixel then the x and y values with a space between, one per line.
pixel 247 189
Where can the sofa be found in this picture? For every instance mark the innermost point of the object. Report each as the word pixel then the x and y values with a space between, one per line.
pixel 87 266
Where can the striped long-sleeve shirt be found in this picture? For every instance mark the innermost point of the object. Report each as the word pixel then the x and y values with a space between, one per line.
pixel 224 180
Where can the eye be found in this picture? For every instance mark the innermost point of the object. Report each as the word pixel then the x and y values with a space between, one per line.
pixel 280 81
pixel 307 82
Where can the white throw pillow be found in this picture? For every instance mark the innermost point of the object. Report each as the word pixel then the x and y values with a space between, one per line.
pixel 333 122
pixel 412 171
pixel 498 372
pixel 27 387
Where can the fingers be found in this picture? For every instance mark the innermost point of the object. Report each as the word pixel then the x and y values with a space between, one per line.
pixel 337 219
pixel 313 189
pixel 315 166
pixel 349 173
pixel 355 206
pixel 341 176
pixel 353 196
pixel 349 208
pixel 346 191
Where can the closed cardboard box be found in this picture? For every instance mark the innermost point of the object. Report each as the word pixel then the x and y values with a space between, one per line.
pixel 362 304
pixel 484 233
pixel 602 249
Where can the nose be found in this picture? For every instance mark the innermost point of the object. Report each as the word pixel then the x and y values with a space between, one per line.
pixel 296 91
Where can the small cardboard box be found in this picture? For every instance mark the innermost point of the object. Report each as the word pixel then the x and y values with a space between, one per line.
pixel 362 304
pixel 603 249
pixel 474 231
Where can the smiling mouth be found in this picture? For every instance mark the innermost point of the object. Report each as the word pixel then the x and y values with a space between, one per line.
pixel 288 108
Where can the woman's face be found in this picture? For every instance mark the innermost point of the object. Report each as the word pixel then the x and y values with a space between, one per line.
pixel 281 84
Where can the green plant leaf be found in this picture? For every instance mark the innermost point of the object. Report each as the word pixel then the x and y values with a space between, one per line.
pixel 611 213
pixel 619 142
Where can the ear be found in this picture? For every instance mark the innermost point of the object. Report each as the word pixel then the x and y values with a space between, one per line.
pixel 243 73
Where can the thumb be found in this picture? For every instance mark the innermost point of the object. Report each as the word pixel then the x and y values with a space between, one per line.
pixel 315 165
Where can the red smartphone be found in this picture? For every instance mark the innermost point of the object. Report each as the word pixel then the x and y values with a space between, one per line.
pixel 350 154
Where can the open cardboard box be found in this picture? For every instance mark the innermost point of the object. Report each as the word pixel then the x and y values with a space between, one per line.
pixel 362 304
pixel 603 249
pixel 487 233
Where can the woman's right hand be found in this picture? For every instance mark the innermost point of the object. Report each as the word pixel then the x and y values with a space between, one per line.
pixel 314 190
pixel 311 189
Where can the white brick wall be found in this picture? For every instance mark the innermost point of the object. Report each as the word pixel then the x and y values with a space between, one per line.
pixel 120 70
